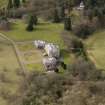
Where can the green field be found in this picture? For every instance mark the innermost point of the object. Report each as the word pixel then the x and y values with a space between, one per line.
pixel 44 31
pixel 96 48
pixel 7 60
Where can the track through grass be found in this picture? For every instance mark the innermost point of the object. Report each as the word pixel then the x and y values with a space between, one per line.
pixel 96 44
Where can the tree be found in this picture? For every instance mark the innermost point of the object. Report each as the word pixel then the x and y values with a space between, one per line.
pixel 84 29
pixel 30 24
pixel 62 13
pixel 67 23
pixel 16 3
pixel 10 4
pixel 56 18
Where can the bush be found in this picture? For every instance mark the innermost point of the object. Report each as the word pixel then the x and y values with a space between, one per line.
pixel 56 18
pixel 29 27
pixel 31 23
pixel 83 30
pixel 77 47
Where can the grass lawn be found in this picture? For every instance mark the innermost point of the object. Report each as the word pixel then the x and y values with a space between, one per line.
pixel 31 56
pixel 7 57
pixel 44 31
pixel 97 53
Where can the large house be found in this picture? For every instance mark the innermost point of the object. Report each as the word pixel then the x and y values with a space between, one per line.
pixel 53 53
pixel 52 50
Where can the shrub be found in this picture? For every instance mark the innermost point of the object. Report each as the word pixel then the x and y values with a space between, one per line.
pixel 30 24
pixel 77 47
pixel 56 18
pixel 30 27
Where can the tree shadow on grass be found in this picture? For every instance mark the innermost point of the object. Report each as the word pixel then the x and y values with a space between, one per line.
pixel 46 23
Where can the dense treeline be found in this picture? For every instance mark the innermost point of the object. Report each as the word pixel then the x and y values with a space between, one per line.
pixel 60 11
